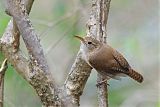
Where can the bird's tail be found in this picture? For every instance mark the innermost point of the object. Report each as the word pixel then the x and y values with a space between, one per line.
pixel 135 75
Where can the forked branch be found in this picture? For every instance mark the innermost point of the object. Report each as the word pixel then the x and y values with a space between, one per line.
pixel 35 69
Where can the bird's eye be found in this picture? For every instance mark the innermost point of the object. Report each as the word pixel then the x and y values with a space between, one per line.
pixel 89 42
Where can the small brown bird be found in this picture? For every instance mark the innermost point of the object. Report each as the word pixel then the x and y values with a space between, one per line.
pixel 106 60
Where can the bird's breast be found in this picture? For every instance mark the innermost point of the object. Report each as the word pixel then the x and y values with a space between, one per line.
pixel 100 59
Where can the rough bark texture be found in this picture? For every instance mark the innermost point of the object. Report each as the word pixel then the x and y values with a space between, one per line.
pixel 35 69
pixel 80 71
pixel 35 72
pixel 18 11
pixel 97 26
pixel 102 17
pixel 77 78
pixel 16 59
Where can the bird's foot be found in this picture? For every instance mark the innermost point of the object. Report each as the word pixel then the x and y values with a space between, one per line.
pixel 102 82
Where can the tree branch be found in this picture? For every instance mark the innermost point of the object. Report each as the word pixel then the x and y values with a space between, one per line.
pixel 41 81
pixel 18 11
pixel 102 17
pixel 16 36
pixel 17 59
pixel 15 30
pixel 80 70
pixel 76 79
pixel 3 69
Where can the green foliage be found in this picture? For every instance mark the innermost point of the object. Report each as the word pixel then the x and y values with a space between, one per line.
pixel 131 45
pixel 119 3
pixel 158 105
pixel 59 8
pixel 17 92
pixel 117 96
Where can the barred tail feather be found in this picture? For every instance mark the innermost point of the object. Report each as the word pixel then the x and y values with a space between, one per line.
pixel 135 75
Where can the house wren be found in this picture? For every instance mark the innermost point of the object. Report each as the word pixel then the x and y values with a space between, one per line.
pixel 106 60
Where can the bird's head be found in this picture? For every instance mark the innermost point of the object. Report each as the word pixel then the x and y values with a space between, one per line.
pixel 89 44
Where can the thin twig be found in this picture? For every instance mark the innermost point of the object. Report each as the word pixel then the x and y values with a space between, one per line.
pixel 3 68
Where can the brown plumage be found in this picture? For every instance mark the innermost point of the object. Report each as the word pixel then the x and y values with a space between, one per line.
pixel 106 60
pixel 135 75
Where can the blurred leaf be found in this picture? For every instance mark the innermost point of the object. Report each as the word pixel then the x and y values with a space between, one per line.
pixel 3 23
pixel 59 8
pixel 116 97
pixel 132 45
pixel 158 105
pixel 119 3
pixel 16 89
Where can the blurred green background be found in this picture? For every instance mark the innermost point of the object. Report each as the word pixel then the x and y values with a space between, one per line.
pixel 132 30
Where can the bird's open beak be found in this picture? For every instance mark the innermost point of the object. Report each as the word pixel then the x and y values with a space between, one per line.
pixel 80 38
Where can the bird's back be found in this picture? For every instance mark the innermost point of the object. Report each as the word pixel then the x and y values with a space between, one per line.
pixel 110 62
pixel 102 59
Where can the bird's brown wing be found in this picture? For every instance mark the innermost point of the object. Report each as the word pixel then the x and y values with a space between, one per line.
pixel 121 60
